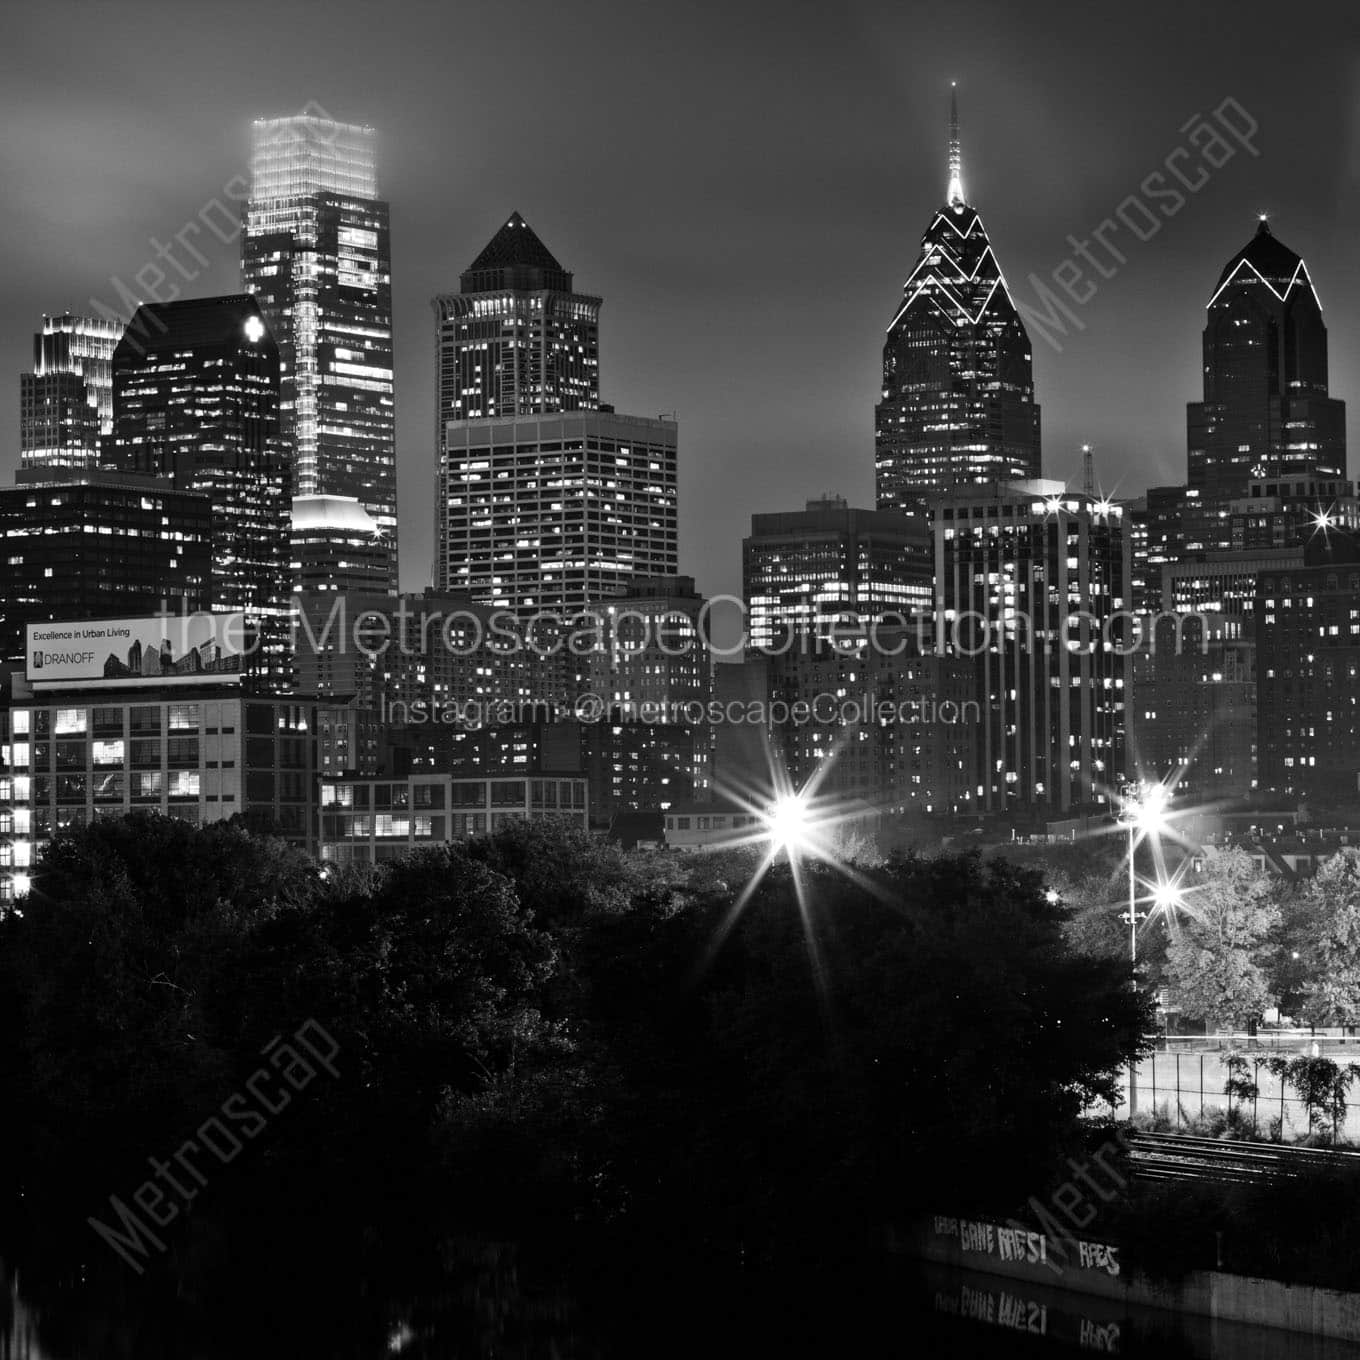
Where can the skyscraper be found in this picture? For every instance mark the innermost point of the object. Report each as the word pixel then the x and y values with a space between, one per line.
pixel 1307 669
pixel 316 256
pixel 515 340
pixel 91 543
pixel 958 384
pixel 66 402
pixel 546 499
pixel 196 400
pixel 1266 413
pixel 555 512
pixel 809 570
pixel 1031 582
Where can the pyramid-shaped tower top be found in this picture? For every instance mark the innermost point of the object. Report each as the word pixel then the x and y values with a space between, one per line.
pixel 1266 259
pixel 516 259
pixel 954 194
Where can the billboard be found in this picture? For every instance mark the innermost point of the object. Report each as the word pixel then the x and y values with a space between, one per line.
pixel 166 649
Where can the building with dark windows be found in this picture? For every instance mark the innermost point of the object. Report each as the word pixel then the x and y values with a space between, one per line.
pixel 66 402
pixel 516 340
pixel 1194 717
pixel 958 383
pixel 1032 584
pixel 97 543
pixel 890 725
pixel 805 571
pixel 196 402
pixel 1265 413
pixel 555 512
pixel 1308 674
pixel 316 255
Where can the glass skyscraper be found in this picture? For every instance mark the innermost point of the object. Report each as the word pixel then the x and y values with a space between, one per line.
pixel 66 402
pixel 316 257
pixel 1266 413
pixel 196 400
pixel 957 402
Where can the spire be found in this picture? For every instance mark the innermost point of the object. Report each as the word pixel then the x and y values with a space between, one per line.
pixel 954 194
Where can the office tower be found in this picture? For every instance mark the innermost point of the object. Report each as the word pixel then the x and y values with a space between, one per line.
pixel 1032 583
pixel 1193 712
pixel 66 402
pixel 958 384
pixel 805 571
pixel 515 340
pixel 316 257
pixel 555 512
pixel 337 546
pixel 95 543
pixel 653 657
pixel 1266 413
pixel 1308 674
pixel 196 400
pixel 653 676
pixel 891 725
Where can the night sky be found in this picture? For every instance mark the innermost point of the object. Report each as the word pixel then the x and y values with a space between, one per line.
pixel 745 185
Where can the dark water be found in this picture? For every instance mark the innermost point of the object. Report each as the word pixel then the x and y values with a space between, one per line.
pixel 491 1303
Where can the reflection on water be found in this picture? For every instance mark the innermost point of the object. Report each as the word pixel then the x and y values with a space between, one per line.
pixel 486 1300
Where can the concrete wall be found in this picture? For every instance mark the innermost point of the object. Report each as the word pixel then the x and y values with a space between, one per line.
pixel 1089 1268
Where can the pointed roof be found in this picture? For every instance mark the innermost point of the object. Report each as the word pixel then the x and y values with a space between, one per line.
pixel 1268 259
pixel 954 193
pixel 515 258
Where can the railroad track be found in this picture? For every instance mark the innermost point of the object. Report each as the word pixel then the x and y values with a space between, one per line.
pixel 1177 1157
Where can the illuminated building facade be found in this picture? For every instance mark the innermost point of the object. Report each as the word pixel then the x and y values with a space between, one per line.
pixel 1265 413
pixel 316 255
pixel 97 543
pixel 516 339
pixel 555 512
pixel 199 754
pixel 66 402
pixel 957 401
pixel 806 570
pixel 1308 674
pixel 652 670
pixel 337 546
pixel 1031 583
pixel 196 401
pixel 368 821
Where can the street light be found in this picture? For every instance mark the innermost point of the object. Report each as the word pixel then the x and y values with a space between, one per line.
pixel 789 822
pixel 1142 811
pixel 1168 898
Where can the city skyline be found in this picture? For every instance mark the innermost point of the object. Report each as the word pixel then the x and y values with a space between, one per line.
pixel 809 358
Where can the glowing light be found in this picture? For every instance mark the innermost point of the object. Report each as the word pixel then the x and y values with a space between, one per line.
pixel 1052 897
pixel 789 822
pixel 1168 897
pixel 254 329
pixel 1144 808
pixel 22 883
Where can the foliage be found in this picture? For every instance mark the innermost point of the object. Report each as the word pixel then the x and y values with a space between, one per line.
pixel 538 1033
pixel 1215 965
pixel 1323 1086
pixel 1328 911
pixel 1239 1086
